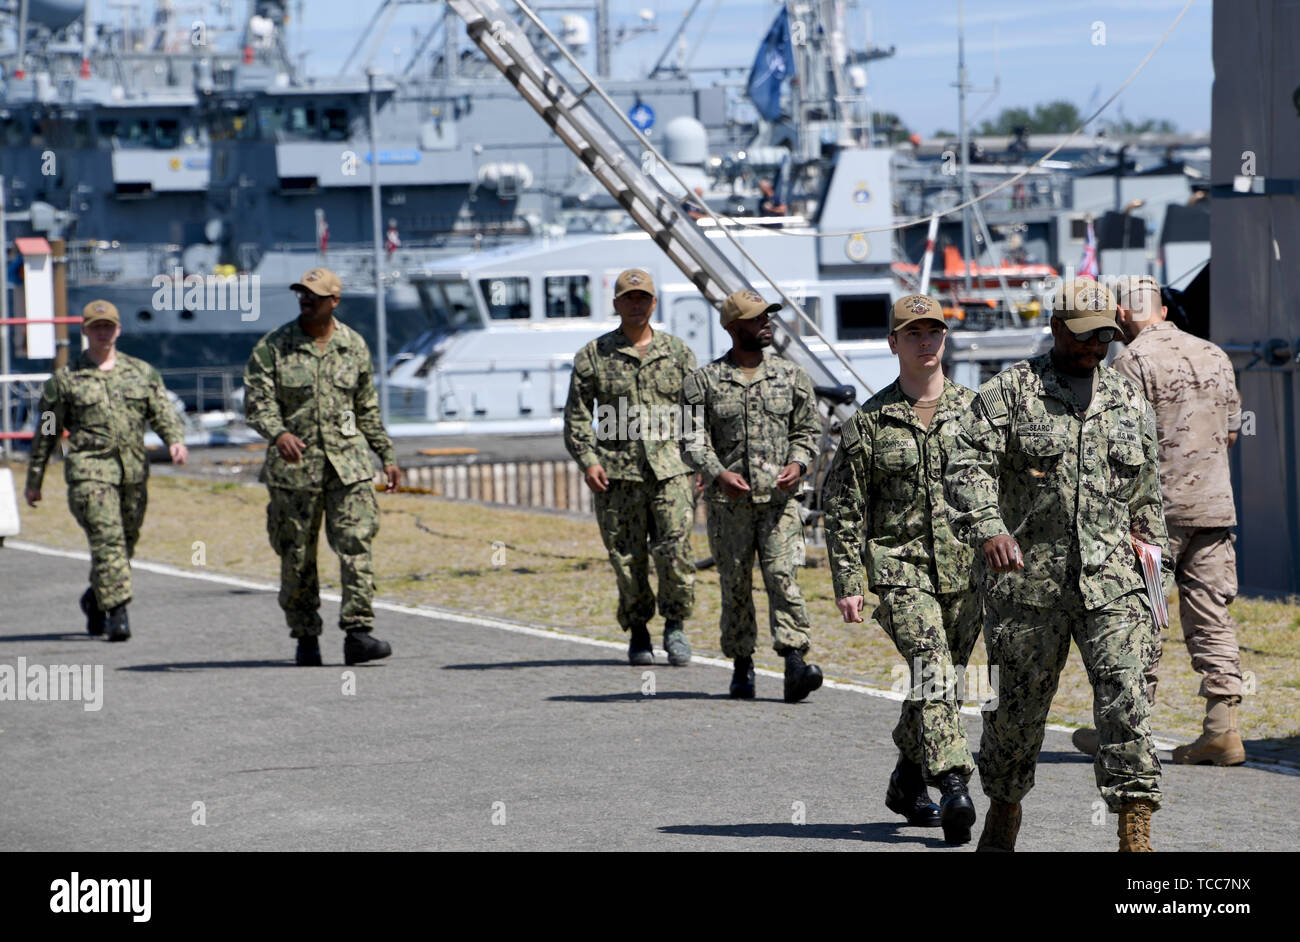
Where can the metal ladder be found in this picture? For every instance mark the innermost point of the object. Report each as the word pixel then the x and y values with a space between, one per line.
pixel 653 208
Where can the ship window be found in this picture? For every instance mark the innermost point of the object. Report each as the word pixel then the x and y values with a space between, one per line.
pixel 862 316
pixel 334 124
pixel 301 120
pixel 135 133
pixel 13 131
pixel 507 298
pixel 167 133
pixel 270 119
pixel 568 296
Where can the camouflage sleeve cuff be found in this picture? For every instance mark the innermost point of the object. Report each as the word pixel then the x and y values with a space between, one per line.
pixel 712 466
pixel 802 455
pixel 847 584
pixel 587 459
pixel 977 534
pixel 388 456
pixel 35 475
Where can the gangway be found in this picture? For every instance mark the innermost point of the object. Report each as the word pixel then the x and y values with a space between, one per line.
pixel 625 176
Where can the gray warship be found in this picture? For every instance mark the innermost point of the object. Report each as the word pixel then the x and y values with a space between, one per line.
pixel 194 148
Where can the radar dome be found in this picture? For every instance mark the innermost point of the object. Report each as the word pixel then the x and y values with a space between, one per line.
pixel 686 141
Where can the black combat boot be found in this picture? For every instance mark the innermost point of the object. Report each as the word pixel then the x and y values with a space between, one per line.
pixel 956 810
pixel 908 796
pixel 742 679
pixel 117 625
pixel 675 643
pixel 640 649
pixel 95 616
pixel 309 651
pixel 800 679
pixel 359 647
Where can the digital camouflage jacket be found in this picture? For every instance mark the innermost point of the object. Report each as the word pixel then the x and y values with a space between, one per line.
pixel 1069 488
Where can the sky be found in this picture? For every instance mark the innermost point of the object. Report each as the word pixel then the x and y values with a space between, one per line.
pixel 1033 50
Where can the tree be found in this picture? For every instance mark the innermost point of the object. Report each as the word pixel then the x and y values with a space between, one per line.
pixel 1123 125
pixel 890 125
pixel 1054 117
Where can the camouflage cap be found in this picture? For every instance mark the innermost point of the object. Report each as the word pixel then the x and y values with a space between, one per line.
pixel 1084 305
pixel 742 305
pixel 100 311
pixel 915 307
pixel 634 279
pixel 320 281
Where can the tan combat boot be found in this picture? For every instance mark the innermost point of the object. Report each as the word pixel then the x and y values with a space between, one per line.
pixel 1220 742
pixel 1135 826
pixel 1001 825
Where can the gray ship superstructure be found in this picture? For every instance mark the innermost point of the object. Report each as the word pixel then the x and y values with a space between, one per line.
pixel 175 160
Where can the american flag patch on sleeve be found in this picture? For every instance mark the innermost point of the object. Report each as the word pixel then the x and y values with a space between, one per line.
pixel 991 400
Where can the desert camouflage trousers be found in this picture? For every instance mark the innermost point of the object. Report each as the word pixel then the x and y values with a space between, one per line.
pixel 111 515
pixel 736 530
pixel 293 519
pixel 935 635
pixel 643 519
pixel 1205 571
pixel 1029 647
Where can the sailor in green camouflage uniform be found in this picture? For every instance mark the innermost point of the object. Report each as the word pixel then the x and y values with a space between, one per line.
pixel 1054 471
pixel 632 462
pixel 104 400
pixel 754 430
pixel 886 484
pixel 309 391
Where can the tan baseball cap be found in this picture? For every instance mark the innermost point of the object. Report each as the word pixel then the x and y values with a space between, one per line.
pixel 634 279
pixel 1130 286
pixel 915 307
pixel 1085 305
pixel 100 311
pixel 320 281
pixel 742 305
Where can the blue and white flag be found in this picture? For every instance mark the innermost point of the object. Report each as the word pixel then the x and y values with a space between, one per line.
pixel 772 66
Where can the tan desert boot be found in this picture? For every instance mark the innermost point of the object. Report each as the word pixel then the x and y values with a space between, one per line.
pixel 1001 825
pixel 1220 742
pixel 1135 826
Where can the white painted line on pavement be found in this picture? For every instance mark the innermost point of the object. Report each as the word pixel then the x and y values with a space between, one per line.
pixel 426 611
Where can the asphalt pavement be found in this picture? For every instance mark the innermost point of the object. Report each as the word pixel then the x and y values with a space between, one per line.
pixel 479 735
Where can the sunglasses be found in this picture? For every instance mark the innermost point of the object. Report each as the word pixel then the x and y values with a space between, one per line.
pixel 1104 334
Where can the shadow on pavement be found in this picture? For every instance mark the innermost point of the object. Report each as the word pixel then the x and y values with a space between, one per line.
pixel 206 665
pixel 881 832
pixel 616 697
pixel 1280 754
pixel 1065 756
pixel 509 665
pixel 56 636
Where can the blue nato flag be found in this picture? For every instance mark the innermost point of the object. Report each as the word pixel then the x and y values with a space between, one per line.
pixel 772 66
